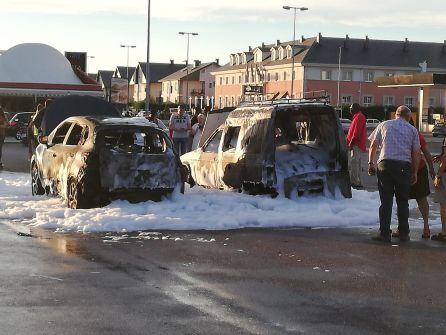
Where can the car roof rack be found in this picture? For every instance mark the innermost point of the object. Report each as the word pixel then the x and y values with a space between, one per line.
pixel 306 97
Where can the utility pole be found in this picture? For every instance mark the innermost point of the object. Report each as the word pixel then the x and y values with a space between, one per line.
pixel 148 60
pixel 187 66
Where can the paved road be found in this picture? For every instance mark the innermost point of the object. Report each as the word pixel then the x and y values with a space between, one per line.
pixel 301 281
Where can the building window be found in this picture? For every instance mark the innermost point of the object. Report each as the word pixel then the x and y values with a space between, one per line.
pixel 389 101
pixel 284 76
pixel 277 76
pixel 369 76
pixel 220 101
pixel 227 80
pixel 409 101
pixel 273 54
pixel 239 79
pixel 389 74
pixel 325 74
pixel 221 80
pixel 210 85
pixel 432 102
pixel 213 84
pixel 233 80
pixel 288 53
pixel 367 100
pixel 268 77
pixel 347 75
pixel 233 101
pixel 226 101
pixel 346 99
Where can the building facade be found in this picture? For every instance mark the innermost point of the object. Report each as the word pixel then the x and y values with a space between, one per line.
pixel 266 71
pixel 192 85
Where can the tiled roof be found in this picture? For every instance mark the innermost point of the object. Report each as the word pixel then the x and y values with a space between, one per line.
pixel 104 77
pixel 123 71
pixel 160 70
pixel 192 72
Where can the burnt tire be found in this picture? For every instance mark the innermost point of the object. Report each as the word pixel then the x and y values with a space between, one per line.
pixel 36 184
pixel 76 198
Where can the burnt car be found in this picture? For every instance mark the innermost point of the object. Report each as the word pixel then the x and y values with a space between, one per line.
pixel 289 147
pixel 91 160
pixel 439 129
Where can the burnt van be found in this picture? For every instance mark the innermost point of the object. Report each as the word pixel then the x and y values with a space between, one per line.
pixel 289 147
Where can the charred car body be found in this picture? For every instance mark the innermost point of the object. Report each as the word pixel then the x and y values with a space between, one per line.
pixel 89 160
pixel 289 147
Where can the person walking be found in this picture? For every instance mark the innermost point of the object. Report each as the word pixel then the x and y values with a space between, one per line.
pixel 356 143
pixel 397 170
pixel 180 126
pixel 420 190
pixel 3 124
pixel 440 192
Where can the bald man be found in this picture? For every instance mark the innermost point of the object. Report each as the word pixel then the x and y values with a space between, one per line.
pixel 397 169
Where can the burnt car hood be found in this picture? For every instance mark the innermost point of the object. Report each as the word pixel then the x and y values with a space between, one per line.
pixel 120 170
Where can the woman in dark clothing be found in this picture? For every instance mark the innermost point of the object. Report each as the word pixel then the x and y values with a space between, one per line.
pixel 3 123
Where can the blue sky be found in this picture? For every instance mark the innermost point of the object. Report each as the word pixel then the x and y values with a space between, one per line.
pixel 100 26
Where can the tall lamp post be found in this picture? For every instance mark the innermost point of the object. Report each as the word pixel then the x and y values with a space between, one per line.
pixel 148 59
pixel 128 47
pixel 187 63
pixel 339 77
pixel 294 42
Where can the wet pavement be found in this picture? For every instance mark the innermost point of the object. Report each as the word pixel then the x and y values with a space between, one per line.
pixel 295 281
pixel 302 281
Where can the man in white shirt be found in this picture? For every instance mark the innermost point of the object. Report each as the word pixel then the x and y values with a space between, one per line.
pixel 179 124
pixel 197 130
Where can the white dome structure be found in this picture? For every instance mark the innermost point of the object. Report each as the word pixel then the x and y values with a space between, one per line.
pixel 39 70
pixel 36 63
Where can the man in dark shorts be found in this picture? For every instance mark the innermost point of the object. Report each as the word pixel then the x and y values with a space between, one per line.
pixel 420 190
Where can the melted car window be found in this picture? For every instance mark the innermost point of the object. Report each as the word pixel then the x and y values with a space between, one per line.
pixel 231 138
pixel 59 136
pixel 135 141
pixel 213 144
pixel 75 135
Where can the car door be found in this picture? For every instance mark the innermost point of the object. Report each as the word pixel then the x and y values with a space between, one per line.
pixel 52 158
pixel 229 167
pixel 72 146
pixel 207 162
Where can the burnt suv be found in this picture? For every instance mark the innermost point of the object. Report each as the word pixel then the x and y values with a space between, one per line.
pixel 290 147
pixel 91 160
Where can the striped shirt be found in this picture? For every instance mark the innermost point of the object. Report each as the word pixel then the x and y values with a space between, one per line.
pixel 396 139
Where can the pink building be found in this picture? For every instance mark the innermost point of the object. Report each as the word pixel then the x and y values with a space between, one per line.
pixel 266 71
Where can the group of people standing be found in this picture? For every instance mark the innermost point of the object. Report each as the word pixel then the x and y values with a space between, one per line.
pixel 403 168
pixel 186 131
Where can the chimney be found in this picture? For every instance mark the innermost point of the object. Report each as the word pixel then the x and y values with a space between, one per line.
pixel 302 39
pixel 250 49
pixel 217 61
pixel 171 62
pixel 406 45
pixel 346 41
pixel 197 62
pixel 277 43
pixel 263 45
pixel 366 42
pixel 319 38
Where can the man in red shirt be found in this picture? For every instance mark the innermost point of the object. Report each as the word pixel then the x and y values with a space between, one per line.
pixel 356 142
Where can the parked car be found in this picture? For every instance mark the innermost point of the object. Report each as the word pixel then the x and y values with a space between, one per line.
pixel 345 123
pixel 439 129
pixel 372 123
pixel 18 122
pixel 287 147
pixel 90 160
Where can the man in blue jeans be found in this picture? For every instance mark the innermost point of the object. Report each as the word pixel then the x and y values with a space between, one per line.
pixel 397 169
pixel 180 125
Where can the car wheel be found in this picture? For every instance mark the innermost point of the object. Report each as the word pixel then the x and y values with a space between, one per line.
pixel 75 197
pixel 36 184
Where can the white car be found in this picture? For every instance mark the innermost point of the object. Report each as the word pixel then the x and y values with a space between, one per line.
pixel 372 123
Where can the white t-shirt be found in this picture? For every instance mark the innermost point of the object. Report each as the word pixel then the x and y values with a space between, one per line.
pixel 180 122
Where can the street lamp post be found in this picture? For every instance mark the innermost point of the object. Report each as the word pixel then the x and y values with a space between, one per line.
pixel 128 47
pixel 339 76
pixel 294 42
pixel 187 64
pixel 148 59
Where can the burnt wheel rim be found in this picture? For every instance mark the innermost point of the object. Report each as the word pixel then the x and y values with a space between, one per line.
pixel 72 195
pixel 34 180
